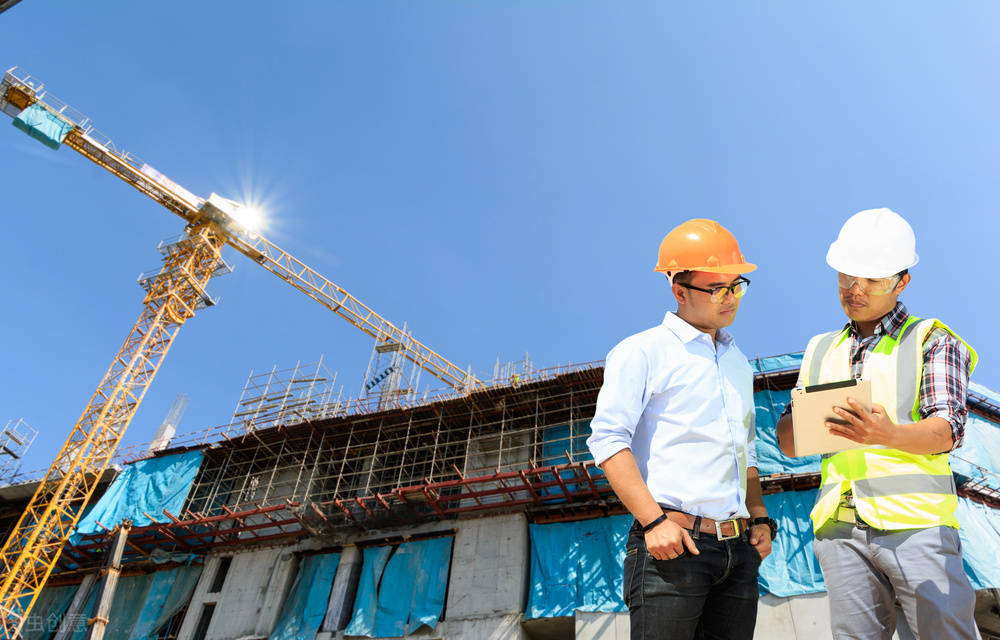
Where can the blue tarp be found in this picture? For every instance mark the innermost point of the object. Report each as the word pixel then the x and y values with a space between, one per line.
pixel 144 487
pixel 304 609
pixel 49 608
pixel 980 535
pixel 577 566
pixel 777 363
pixel 142 604
pixel 366 600
pixel 43 125
pixel 401 588
pixel 770 459
pixel 557 441
pixel 979 456
pixel 562 438
pixel 125 607
pixel 792 568
pixel 169 592
pixel 986 392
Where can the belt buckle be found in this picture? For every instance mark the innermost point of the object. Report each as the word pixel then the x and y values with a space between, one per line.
pixel 718 529
pixel 850 516
pixel 846 514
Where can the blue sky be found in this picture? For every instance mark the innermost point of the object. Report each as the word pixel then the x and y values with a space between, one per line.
pixel 496 174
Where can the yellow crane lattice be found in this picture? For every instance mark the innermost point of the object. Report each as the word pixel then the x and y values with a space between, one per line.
pixel 173 295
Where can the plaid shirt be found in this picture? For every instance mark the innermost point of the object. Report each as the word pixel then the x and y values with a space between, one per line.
pixel 945 380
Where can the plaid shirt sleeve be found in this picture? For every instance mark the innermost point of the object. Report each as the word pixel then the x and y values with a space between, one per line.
pixel 945 382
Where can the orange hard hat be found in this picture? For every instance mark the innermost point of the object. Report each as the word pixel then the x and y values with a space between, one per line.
pixel 701 245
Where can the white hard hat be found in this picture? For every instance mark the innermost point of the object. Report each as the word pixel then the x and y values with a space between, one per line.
pixel 875 243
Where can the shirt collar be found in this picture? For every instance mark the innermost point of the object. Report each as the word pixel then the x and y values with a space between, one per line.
pixel 687 333
pixel 889 325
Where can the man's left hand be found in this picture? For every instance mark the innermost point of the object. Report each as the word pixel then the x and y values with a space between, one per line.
pixel 863 426
pixel 760 538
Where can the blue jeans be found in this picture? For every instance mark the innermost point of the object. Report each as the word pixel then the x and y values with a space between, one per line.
pixel 710 596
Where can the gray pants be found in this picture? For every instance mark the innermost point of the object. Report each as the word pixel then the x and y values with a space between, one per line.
pixel 867 570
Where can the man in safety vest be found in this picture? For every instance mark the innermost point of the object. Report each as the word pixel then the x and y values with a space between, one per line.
pixel 885 514
pixel 673 431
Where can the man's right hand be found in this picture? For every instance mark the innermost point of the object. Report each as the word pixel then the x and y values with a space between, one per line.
pixel 667 541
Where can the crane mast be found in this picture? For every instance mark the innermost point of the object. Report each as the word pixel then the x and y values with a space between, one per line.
pixel 173 295
pixel 34 546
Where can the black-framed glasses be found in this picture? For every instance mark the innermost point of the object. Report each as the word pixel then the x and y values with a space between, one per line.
pixel 718 294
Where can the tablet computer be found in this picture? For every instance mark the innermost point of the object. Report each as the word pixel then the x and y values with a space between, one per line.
pixel 813 406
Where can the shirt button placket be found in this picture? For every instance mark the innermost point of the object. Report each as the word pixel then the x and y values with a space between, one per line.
pixel 729 424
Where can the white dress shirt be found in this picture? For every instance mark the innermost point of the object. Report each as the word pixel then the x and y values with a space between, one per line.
pixel 685 408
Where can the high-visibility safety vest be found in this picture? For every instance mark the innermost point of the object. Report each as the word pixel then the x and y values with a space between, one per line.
pixel 892 489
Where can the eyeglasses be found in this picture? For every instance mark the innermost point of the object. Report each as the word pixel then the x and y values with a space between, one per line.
pixel 871 286
pixel 718 294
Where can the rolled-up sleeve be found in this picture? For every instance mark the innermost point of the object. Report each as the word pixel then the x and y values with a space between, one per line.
pixel 945 382
pixel 620 402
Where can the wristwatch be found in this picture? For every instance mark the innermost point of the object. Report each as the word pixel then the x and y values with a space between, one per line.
pixel 769 522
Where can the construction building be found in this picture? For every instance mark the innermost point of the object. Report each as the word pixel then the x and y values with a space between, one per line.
pixel 475 512
pixel 438 516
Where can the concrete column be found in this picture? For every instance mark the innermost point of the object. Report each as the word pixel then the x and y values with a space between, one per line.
pixel 282 575
pixel 345 587
pixel 489 567
pixel 109 584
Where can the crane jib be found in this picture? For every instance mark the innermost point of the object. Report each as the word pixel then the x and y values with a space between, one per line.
pixel 33 548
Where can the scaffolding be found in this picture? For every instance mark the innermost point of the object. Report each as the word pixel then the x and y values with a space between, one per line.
pixel 390 377
pixel 511 446
pixel 15 439
pixel 514 372
pixel 498 448
pixel 285 396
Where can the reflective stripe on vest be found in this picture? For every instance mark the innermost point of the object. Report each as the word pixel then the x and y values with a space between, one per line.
pixel 892 489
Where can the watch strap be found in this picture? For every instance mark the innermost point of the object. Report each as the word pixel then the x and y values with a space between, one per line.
pixel 769 522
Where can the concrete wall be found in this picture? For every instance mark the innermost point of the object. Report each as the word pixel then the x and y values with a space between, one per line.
pixel 505 627
pixel 260 489
pixel 488 585
pixel 805 617
pixel 491 454
pixel 489 568
pixel 250 599
pixel 602 626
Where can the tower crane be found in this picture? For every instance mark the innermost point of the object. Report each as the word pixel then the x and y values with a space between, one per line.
pixel 172 297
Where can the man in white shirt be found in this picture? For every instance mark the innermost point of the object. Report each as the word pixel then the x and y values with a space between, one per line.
pixel 673 431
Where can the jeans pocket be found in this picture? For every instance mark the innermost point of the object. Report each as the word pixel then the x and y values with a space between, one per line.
pixel 754 554
pixel 630 566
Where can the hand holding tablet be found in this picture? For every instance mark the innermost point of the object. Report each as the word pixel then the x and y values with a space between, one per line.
pixel 813 407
